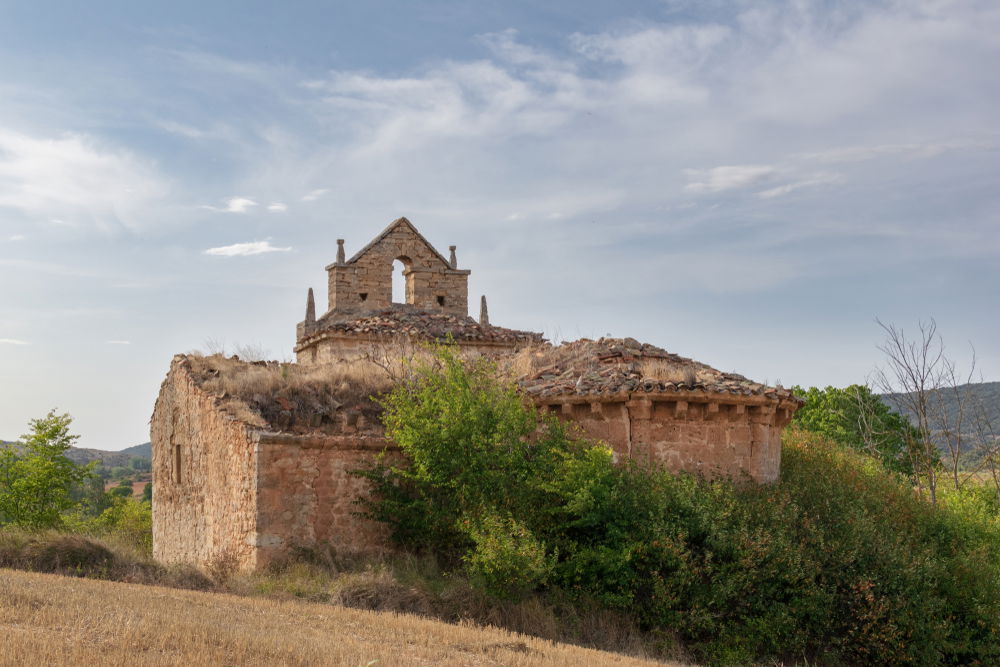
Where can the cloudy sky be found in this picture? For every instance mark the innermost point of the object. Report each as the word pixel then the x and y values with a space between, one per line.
pixel 747 183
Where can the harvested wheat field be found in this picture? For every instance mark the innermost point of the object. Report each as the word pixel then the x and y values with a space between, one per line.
pixel 50 619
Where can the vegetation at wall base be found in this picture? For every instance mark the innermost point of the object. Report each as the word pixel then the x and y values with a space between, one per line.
pixel 840 562
pixel 505 517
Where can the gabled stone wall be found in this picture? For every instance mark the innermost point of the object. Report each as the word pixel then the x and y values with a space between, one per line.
pixel 365 281
pixel 226 492
pixel 204 477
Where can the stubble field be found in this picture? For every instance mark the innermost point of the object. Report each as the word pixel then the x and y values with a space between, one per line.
pixel 50 619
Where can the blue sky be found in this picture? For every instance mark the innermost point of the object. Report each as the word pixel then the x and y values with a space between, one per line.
pixel 747 183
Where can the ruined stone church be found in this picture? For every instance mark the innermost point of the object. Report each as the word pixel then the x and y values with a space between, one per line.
pixel 252 458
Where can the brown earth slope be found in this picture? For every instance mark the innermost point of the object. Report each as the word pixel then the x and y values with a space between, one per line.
pixel 55 620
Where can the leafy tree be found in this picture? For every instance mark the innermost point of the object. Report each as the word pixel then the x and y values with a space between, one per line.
pixel 859 419
pixel 37 483
pixel 475 451
pixel 147 492
pixel 140 464
pixel 123 490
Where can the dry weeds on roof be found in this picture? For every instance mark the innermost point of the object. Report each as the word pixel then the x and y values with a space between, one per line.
pixel 292 398
pixel 616 365
pixel 53 620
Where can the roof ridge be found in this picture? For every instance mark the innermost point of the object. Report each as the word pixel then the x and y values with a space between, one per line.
pixel 385 232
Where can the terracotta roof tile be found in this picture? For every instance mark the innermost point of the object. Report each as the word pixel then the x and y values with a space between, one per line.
pixel 405 320
pixel 616 365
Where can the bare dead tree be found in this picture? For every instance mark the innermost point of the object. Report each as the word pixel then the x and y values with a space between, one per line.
pixel 912 371
pixel 950 418
pixel 928 385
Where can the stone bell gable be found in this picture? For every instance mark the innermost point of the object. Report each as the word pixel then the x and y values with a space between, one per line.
pixel 434 306
pixel 364 282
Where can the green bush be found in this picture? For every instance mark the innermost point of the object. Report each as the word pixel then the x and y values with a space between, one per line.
pixel 841 561
pixel 126 519
pixel 507 560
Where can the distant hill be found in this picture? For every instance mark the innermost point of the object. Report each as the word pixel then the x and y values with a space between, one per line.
pixel 83 455
pixel 108 459
pixel 984 396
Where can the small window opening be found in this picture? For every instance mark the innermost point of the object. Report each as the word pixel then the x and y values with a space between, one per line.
pixel 363 296
pixel 440 300
pixel 398 281
pixel 177 464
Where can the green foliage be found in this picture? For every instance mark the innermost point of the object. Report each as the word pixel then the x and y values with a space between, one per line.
pixel 857 418
pixel 37 483
pixel 123 490
pixel 125 518
pixel 507 559
pixel 147 492
pixel 140 464
pixel 474 448
pixel 839 561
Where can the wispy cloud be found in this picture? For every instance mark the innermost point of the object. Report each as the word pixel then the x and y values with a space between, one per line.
pixel 233 205
pixel 118 342
pixel 718 179
pixel 77 178
pixel 911 150
pixel 812 181
pixel 17 237
pixel 315 194
pixel 277 207
pixel 180 129
pixel 245 249
pixel 13 341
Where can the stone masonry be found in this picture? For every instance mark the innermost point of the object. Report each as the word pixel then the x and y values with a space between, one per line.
pixel 228 491
pixel 233 486
pixel 361 312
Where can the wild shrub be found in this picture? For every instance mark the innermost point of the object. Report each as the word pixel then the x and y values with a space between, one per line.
pixel 507 559
pixel 128 520
pixel 841 561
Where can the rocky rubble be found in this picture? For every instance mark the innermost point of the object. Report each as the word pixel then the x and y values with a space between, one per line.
pixel 616 365
pixel 402 320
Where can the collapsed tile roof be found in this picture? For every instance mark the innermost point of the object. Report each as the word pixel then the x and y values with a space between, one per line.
pixel 404 320
pixel 617 365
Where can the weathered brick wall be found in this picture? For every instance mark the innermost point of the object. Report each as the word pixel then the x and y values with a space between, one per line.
pixel 334 347
pixel 366 283
pixel 699 434
pixel 204 477
pixel 224 490
pixel 307 493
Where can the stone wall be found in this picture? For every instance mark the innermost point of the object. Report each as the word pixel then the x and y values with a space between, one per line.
pixel 204 477
pixel 225 491
pixel 333 347
pixel 307 494
pixel 703 433
pixel 365 282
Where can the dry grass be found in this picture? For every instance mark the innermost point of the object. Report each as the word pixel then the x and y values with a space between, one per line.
pixel 404 583
pixel 408 583
pixel 530 361
pixel 49 619
pixel 80 556
pixel 292 397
